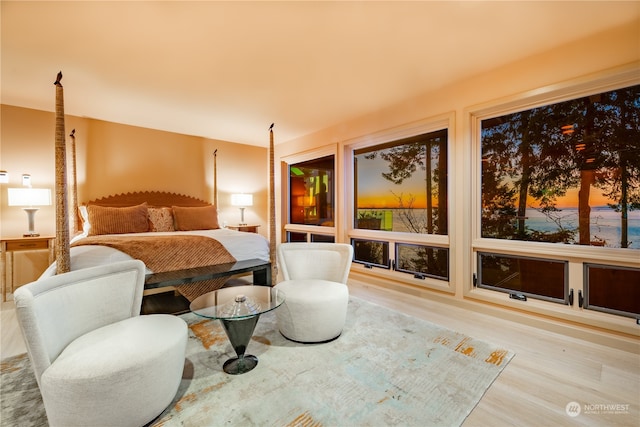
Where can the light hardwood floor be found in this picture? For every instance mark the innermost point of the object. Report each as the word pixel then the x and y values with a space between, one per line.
pixel 548 372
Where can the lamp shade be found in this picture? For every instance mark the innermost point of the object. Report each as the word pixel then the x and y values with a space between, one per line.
pixel 306 201
pixel 29 196
pixel 242 199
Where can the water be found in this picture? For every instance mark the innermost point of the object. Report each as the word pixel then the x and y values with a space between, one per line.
pixel 605 223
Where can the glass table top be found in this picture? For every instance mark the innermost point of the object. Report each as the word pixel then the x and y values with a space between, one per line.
pixel 237 302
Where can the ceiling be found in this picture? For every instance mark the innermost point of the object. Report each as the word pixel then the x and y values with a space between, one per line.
pixel 227 70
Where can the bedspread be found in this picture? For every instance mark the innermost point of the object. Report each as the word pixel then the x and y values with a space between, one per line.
pixel 91 251
pixel 166 253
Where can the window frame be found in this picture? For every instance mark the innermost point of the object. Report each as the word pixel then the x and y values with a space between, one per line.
pixel 446 241
pixel 309 230
pixel 575 255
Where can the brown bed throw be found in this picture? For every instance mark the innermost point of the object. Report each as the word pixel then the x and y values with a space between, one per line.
pixel 169 253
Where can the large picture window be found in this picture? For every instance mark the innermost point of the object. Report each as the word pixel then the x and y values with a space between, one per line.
pixel 565 173
pixel 402 185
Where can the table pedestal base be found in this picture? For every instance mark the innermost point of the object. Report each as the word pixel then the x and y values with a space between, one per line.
pixel 239 333
pixel 240 365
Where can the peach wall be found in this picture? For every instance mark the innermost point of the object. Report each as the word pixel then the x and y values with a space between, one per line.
pixel 27 147
pixel 581 58
pixel 123 158
pixel 241 169
pixel 114 158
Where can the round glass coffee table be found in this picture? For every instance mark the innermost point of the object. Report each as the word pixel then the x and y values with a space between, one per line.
pixel 238 308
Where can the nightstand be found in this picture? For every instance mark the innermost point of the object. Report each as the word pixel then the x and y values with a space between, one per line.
pixel 10 245
pixel 245 227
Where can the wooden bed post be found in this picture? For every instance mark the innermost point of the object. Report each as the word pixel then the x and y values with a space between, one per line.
pixel 74 184
pixel 215 179
pixel 272 210
pixel 62 251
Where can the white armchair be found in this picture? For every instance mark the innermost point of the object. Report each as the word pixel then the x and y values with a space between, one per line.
pixel 96 360
pixel 315 277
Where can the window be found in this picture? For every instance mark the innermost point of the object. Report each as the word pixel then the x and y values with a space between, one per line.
pixel 311 192
pixel 538 278
pixel 296 237
pixel 558 211
pixel 322 238
pixel 612 289
pixel 398 213
pixel 565 173
pixel 309 237
pixel 402 185
pixel 371 253
pixel 422 261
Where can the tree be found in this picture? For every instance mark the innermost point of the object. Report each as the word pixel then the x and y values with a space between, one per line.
pixel 404 158
pixel 620 175
pixel 534 157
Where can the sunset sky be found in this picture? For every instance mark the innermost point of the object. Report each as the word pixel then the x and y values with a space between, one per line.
pixel 596 198
pixel 376 192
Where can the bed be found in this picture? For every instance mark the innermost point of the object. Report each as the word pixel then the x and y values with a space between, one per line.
pixel 166 231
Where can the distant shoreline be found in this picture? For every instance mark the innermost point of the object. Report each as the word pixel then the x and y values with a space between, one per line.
pixel 604 223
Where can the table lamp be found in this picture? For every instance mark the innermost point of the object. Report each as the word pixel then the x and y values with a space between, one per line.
pixel 29 197
pixel 242 200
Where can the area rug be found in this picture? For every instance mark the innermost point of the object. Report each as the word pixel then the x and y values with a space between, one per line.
pixel 385 369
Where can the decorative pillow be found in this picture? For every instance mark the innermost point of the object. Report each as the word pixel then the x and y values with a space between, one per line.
pixel 195 218
pixel 112 220
pixel 86 225
pixel 161 219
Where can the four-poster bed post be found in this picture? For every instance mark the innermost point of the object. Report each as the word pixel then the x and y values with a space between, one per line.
pixel 272 209
pixel 62 252
pixel 74 183
pixel 215 179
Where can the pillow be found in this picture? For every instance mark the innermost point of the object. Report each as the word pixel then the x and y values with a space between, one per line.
pixel 84 215
pixel 112 220
pixel 195 218
pixel 161 219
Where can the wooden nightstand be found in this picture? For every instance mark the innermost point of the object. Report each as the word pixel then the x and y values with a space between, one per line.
pixel 10 245
pixel 247 228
